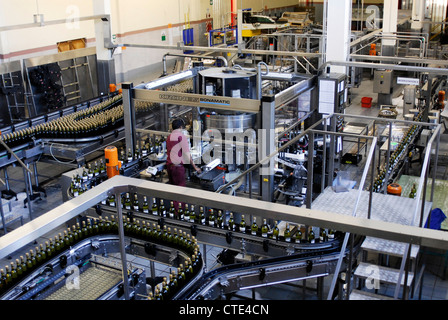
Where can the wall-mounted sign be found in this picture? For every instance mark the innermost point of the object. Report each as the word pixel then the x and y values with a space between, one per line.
pixel 408 81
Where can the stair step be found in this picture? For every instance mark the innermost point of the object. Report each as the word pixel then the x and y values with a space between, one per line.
pixel 384 274
pixel 389 247
pixel 364 295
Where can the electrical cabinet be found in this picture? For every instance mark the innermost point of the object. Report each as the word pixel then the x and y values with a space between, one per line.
pixel 383 81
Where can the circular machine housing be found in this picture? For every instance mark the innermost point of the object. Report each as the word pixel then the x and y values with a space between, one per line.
pixel 234 83
pixel 228 82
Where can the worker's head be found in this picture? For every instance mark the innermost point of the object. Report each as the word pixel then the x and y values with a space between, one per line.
pixel 178 124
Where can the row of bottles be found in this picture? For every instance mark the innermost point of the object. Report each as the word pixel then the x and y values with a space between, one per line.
pixel 213 218
pixel 74 125
pixel 35 258
pixel 91 121
pixel 94 174
pixel 185 272
pixel 395 157
pixel 299 236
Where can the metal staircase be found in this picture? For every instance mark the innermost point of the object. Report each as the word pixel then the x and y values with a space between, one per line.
pixel 372 275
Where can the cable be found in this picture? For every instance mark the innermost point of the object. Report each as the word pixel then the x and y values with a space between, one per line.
pixel 59 161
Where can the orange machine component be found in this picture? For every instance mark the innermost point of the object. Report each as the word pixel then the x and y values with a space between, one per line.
pixel 112 164
pixel 372 50
pixel 112 88
pixel 394 188
pixel 441 99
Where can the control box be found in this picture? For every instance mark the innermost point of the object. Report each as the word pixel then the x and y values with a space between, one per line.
pixel 383 81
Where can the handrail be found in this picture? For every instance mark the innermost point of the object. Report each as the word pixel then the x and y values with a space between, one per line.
pixel 422 180
pixel 355 208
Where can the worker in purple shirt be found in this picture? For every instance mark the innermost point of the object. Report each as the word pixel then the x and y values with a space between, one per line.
pixel 178 154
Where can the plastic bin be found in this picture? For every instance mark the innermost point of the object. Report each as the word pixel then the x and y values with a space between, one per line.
pixel 366 102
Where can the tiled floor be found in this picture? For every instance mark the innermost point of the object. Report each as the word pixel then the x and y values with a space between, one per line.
pixel 434 286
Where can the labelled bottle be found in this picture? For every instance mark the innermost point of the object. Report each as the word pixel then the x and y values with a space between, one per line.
pixel 311 235
pixel 192 214
pixel 243 224
pixel 264 229
pixel 276 231
pixel 254 227
pixel 201 215
pixel 135 204
pixel 287 233
pixel 154 208
pixel 231 222
pixel 219 220
pixel 180 212
pixel 162 209
pixel 211 218
pixel 299 235
pixel 323 235
pixel 127 202
pixel 172 211
pixel 145 206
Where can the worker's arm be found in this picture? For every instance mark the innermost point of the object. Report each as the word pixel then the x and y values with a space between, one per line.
pixel 198 170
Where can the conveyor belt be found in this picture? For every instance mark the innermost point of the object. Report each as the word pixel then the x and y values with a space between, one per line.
pixel 310 264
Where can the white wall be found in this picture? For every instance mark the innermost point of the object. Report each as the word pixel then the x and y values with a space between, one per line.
pixel 128 16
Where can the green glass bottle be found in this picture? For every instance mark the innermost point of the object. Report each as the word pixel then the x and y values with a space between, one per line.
pixel 180 212
pixel 8 276
pixel 29 263
pixel 33 257
pixel 111 200
pixel 175 238
pixel 276 231
pixel 19 269
pixel 173 282
pixel 299 235
pixel 264 229
pixel 127 202
pixel 13 272
pixel 96 169
pixel 23 264
pixel 38 255
pixel 211 218
pixel 158 295
pixel 201 215
pixel 330 234
pixel 154 208
pixel 323 235
pixel 219 220
pixel 231 222
pixel 192 214
pixel 42 252
pixel 84 232
pixel 254 227
pixel 243 224
pixel 413 191
pixel 172 210
pixel 135 204
pixel 165 290
pixel 311 235
pixel 89 228
pixel 181 275
pixel 145 206
pixel 162 209
pixel 287 233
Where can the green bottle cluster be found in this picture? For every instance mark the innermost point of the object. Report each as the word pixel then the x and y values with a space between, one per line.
pixel 92 175
pixel 88 122
pixel 167 289
pixel 178 239
pixel 215 218
pixel 395 157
